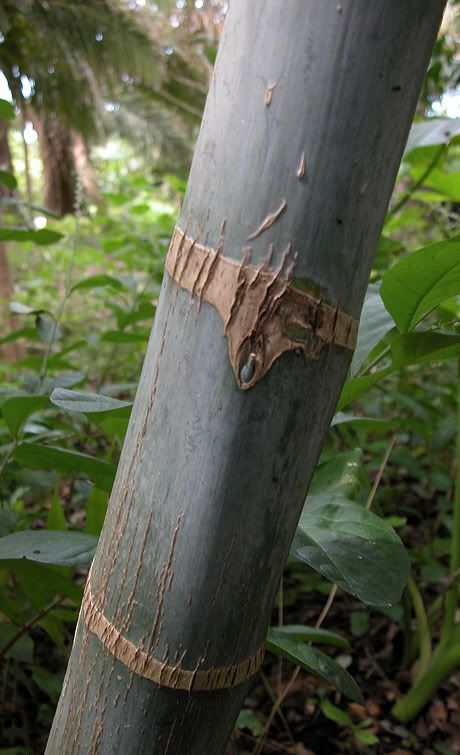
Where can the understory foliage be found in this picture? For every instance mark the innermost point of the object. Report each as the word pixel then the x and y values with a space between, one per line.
pixel 380 529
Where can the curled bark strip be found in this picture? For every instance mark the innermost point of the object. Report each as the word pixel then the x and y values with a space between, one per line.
pixel 268 221
pixel 142 664
pixel 264 315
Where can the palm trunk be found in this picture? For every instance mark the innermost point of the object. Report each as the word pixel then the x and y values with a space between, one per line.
pixel 302 135
pixel 84 167
pixel 55 142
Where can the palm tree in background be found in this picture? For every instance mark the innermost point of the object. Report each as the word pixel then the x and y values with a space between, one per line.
pixel 80 58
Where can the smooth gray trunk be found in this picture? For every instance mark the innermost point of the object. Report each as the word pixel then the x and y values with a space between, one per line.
pixel 310 104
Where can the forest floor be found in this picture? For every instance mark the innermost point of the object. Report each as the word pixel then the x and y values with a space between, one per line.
pixel 312 719
pixel 303 729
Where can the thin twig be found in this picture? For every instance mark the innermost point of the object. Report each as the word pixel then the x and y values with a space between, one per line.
pixel 29 624
pixel 419 182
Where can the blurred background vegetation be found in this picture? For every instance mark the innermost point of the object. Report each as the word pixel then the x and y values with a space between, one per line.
pixel 100 107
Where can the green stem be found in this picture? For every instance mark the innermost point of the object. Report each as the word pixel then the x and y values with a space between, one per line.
pixel 445 661
pixel 419 182
pixel 452 594
pixel 423 628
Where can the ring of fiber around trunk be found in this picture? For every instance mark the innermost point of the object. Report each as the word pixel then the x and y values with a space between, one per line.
pixel 142 664
pixel 264 315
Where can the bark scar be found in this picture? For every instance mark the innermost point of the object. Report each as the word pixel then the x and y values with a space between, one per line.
pixel 263 314
pixel 268 221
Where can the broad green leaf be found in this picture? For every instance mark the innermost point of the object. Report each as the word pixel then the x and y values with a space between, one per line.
pixel 61 460
pixel 338 476
pixel 352 547
pixel 6 110
pixel 79 401
pixel 420 282
pixel 374 324
pixel 42 581
pixel 49 547
pixel 311 634
pixel 315 662
pixel 17 409
pixel 416 348
pixel 8 179
pixel 432 131
pixel 43 236
pixel 99 281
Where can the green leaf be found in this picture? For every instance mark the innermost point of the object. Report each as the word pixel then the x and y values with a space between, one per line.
pixel 420 282
pixel 47 328
pixel 432 131
pixel 43 236
pixel 355 387
pixel 338 476
pixel 368 423
pixel 15 335
pixel 314 662
pixel 18 308
pixel 116 199
pixel 374 324
pixel 359 623
pixel 88 403
pixel 95 511
pixel 99 281
pixel 61 460
pixel 247 719
pixel 6 110
pixel 333 713
pixel 366 737
pixel 311 634
pixel 8 179
pixel 55 519
pixel 22 650
pixel 352 547
pixel 49 547
pixel 17 409
pixel 42 581
pixel 416 348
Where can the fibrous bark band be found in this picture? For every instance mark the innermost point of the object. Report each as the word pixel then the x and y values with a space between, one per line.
pixel 264 315
pixel 142 664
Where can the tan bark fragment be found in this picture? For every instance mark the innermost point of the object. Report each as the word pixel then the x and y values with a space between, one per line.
pixel 268 221
pixel 264 315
